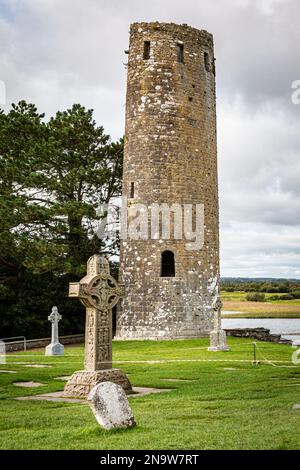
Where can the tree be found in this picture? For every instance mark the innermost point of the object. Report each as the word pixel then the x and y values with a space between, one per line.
pixel 54 175
pixel 255 297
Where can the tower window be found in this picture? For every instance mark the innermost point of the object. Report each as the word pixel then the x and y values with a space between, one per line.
pixel 167 264
pixel 206 61
pixel 179 51
pixel 131 190
pixel 146 54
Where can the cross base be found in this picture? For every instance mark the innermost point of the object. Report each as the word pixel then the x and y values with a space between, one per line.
pixel 218 341
pixel 218 348
pixel 82 382
pixel 54 349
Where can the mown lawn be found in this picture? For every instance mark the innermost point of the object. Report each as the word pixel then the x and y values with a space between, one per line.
pixel 215 408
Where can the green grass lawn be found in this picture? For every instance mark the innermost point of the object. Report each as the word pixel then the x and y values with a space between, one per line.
pixel 246 408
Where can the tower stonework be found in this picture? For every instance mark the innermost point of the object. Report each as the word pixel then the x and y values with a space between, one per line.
pixel 170 158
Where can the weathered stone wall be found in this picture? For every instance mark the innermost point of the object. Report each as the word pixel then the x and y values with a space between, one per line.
pixel 42 342
pixel 171 157
pixel 261 334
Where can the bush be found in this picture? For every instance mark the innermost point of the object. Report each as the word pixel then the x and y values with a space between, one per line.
pixel 296 294
pixel 286 297
pixel 282 297
pixel 255 297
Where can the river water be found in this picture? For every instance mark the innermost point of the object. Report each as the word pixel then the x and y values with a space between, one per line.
pixel 287 327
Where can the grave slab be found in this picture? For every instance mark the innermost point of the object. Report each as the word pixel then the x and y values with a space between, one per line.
pixel 37 366
pixel 63 377
pixel 177 380
pixel 60 397
pixel 28 384
pixel 53 396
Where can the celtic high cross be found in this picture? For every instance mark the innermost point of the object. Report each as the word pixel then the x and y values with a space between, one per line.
pixel 99 292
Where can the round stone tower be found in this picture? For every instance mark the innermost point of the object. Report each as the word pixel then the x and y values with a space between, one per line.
pixel 170 159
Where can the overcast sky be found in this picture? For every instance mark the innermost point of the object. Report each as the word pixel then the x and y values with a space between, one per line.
pixel 58 52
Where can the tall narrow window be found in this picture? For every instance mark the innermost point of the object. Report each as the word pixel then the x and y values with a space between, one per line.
pixel 179 51
pixel 131 190
pixel 206 61
pixel 167 264
pixel 146 55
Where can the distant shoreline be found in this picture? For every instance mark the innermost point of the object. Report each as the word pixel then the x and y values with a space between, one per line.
pixel 262 315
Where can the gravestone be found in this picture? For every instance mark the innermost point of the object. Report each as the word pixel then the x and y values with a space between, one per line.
pixel 2 353
pixel 99 292
pixel 218 340
pixel 55 348
pixel 110 406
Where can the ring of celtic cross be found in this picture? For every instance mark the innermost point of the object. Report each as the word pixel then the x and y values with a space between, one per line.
pixel 102 292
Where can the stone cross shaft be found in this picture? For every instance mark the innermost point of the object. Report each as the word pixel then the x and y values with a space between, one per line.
pixel 54 318
pixel 99 292
pixel 217 307
pixel 218 341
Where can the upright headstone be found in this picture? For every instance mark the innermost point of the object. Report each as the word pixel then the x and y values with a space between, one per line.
pixel 218 340
pixel 55 348
pixel 110 406
pixel 99 292
pixel 2 353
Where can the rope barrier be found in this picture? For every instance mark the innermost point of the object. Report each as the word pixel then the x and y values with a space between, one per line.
pixel 272 363
pixel 264 359
pixel 79 355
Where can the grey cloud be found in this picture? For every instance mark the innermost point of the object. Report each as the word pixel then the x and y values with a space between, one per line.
pixel 57 52
pixel 262 249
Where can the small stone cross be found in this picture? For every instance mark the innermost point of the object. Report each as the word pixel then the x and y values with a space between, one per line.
pixel 99 292
pixel 54 318
pixel 54 348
